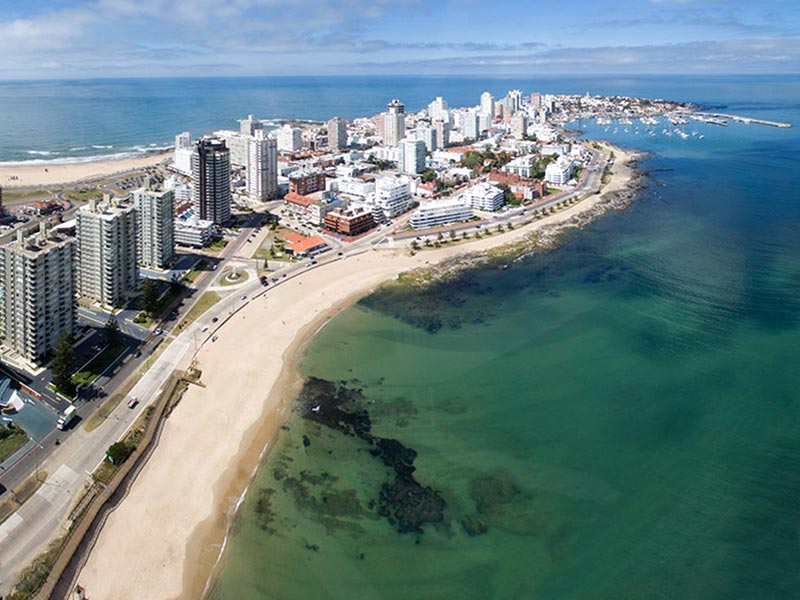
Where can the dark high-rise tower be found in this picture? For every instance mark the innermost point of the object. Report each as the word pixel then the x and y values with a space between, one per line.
pixel 211 179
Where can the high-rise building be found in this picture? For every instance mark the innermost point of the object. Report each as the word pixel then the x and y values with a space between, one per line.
pixel 437 110
pixel 37 303
pixel 262 166
pixel 487 103
pixel 395 128
pixel 469 125
pixel 412 154
pixel 442 133
pixel 428 135
pixel 250 125
pixel 290 139
pixel 155 221
pixel 519 125
pixel 211 181
pixel 183 153
pixel 393 196
pixel 514 100
pixel 337 134
pixel 536 100
pixel 106 253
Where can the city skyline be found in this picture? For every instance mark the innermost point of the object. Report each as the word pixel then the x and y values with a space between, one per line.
pixel 59 38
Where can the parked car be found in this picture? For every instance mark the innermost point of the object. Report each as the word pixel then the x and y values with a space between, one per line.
pixel 214 319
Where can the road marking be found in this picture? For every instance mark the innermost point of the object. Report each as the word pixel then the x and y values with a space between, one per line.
pixel 10 524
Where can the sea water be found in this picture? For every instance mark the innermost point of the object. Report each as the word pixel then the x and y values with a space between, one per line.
pixel 617 418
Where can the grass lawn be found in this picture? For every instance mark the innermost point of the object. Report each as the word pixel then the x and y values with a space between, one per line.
pixel 11 440
pixel 21 195
pixel 206 301
pixel 243 276
pixel 217 245
pixel 83 195
pixel 99 364
pixel 164 302
pixel 192 275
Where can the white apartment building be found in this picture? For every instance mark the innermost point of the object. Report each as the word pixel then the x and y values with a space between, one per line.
pixel 428 135
pixel 250 125
pixel 155 217
pixel 183 153
pixel 551 149
pixel 522 166
pixel 106 254
pixel 412 153
pixel 437 110
pixel 394 123
pixel 290 139
pixel 193 232
pixel 337 134
pixel 37 302
pixel 487 103
pixel 469 125
pixel 236 144
pixel 484 196
pixel 559 172
pixel 352 186
pixel 437 213
pixel 442 133
pixel 393 195
pixel 262 166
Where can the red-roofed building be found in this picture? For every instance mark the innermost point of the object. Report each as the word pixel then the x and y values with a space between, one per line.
pixel 298 203
pixel 307 246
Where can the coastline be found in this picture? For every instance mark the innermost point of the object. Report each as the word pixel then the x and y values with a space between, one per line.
pixel 175 557
pixel 53 174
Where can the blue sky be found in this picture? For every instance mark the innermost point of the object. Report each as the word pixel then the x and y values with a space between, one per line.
pixel 107 38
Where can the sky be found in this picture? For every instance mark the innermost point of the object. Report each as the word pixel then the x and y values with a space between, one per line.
pixel 46 39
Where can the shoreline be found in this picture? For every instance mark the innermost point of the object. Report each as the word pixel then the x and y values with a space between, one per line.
pixel 44 175
pixel 180 556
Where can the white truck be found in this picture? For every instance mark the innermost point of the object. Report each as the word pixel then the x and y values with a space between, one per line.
pixel 65 419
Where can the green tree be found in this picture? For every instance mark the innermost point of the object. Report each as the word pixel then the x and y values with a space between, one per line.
pixel 149 296
pixel 118 452
pixel 428 176
pixel 64 363
pixel 452 234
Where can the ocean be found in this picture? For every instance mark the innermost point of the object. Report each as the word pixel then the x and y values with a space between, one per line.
pixel 45 122
pixel 615 418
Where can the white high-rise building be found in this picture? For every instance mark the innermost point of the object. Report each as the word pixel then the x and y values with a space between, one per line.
pixel 337 134
pixel 37 303
pixel 393 195
pixel 469 125
pixel 155 216
pixel 428 135
pixel 250 125
pixel 106 253
pixel 487 103
pixel 262 166
pixel 183 153
pixel 559 172
pixel 514 100
pixel 290 139
pixel 395 123
pixel 484 122
pixel 437 110
pixel 211 181
pixel 413 156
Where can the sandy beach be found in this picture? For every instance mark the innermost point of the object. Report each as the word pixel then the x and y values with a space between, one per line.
pixel 165 538
pixel 43 175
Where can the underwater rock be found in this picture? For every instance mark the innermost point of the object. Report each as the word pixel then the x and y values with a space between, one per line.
pixel 473 525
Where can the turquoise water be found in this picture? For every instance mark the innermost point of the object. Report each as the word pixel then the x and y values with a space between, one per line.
pixel 618 418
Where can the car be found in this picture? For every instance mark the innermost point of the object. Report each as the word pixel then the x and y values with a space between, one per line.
pixel 214 319
pixel 133 402
pixel 341 253
pixel 244 297
pixel 159 331
pixel 274 280
pixel 213 267
pixel 313 262
pixel 284 275
pixel 137 354
pixel 204 329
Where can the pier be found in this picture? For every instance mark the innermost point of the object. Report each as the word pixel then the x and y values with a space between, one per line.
pixel 749 120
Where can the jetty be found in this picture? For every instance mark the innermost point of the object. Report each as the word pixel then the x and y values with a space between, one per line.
pixel 749 120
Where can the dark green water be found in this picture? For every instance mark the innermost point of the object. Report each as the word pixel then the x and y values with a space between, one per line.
pixel 615 419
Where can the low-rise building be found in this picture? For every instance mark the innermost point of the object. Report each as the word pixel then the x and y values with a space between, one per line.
pixel 559 172
pixel 307 246
pixel 437 213
pixel 350 222
pixel 193 232
pixel 484 196
pixel 306 181
pixel 393 195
